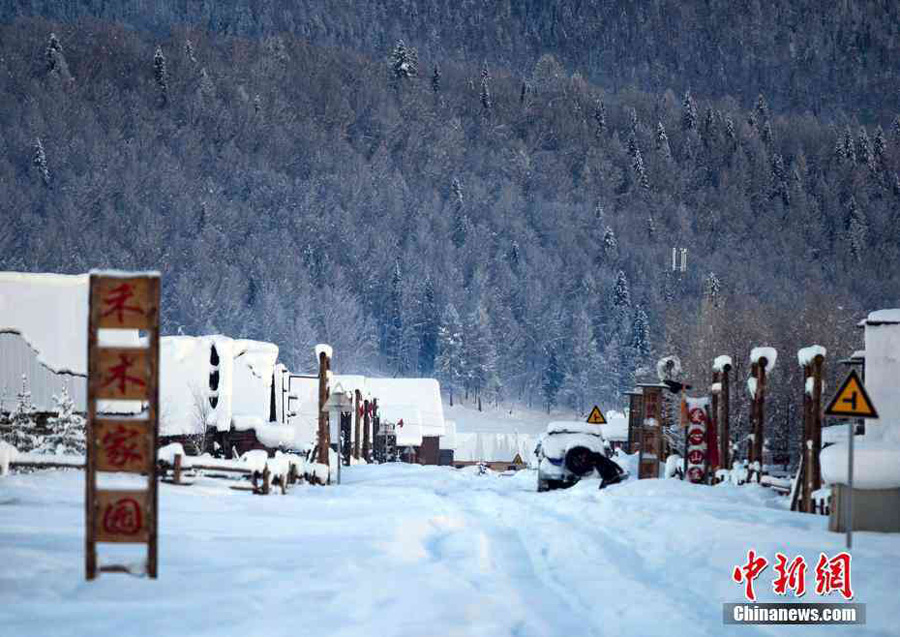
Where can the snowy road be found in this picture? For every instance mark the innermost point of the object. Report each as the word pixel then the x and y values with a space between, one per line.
pixel 405 550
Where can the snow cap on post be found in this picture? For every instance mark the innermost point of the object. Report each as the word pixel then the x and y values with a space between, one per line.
pixel 721 362
pixel 323 348
pixel 751 386
pixel 768 353
pixel 807 355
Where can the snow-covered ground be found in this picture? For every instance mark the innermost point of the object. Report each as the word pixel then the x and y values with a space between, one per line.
pixel 409 550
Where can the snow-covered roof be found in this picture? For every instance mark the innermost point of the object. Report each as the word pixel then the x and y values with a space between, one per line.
pixel 417 401
pixel 574 427
pixel 50 312
pixel 245 381
pixel 881 317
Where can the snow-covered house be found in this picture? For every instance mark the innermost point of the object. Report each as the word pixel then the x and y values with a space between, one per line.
pixel 414 406
pixel 43 338
pixel 219 390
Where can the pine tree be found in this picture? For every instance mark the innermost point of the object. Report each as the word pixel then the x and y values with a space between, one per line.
pixel 39 159
pixel 394 336
pixel 610 245
pixel 551 380
pixel 662 142
pixel 730 132
pixel 632 121
pixel 651 228
pixel 578 381
pixel 879 148
pixel 54 56
pixel 161 75
pixel 640 172
pixel 524 92
pixel 485 89
pixel 189 51
pixel 640 335
pixel 599 118
pixel 766 134
pixel 22 421
pixel 712 288
pixel 449 361
pixel 428 324
pixel 864 148
pixel 688 112
pixel 621 294
pixel 849 146
pixel 66 429
pixel 762 109
pixel 858 229
pixel 404 61
pixel 460 220
pixel 436 80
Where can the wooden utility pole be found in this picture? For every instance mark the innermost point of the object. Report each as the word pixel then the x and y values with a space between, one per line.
pixel 366 445
pixel 714 413
pixel 758 370
pixel 725 439
pixel 814 475
pixel 806 443
pixel 324 433
pixel 357 405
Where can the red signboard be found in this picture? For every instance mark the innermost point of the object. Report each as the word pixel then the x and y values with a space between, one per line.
pixel 696 451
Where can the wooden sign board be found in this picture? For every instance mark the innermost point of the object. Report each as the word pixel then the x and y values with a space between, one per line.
pixel 122 516
pixel 851 400
pixel 122 445
pixel 125 303
pixel 116 444
pixel 122 374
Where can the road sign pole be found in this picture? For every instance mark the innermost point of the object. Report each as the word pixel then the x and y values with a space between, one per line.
pixel 851 425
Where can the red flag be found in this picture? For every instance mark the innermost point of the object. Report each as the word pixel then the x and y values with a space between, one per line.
pixel 400 423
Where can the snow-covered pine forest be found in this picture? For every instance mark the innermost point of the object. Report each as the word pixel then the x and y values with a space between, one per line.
pixel 504 222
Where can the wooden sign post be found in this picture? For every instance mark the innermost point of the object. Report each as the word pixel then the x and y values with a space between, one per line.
pixel 122 444
pixel 651 431
pixel 635 417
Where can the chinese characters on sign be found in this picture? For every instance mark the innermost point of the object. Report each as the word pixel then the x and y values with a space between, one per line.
pixel 123 374
pixel 122 516
pixel 122 445
pixel 832 575
pixel 124 303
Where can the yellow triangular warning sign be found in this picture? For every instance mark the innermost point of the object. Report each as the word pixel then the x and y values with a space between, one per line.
pixel 596 417
pixel 851 400
pixel 517 460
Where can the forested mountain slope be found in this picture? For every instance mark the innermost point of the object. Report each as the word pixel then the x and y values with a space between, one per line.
pixel 513 238
pixel 827 58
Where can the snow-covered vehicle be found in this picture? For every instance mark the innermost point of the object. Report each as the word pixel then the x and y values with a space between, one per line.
pixel 570 451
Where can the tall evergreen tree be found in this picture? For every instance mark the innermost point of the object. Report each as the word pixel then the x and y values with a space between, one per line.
pixel 551 380
pixel 599 118
pixel 460 219
pixel 161 75
pixel 485 89
pixel 39 159
pixel 449 363
pixel 436 80
pixel 688 112
pixel 403 61
pixel 662 142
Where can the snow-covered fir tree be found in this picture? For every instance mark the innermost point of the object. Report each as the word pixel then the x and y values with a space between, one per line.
pixel 621 293
pixel 485 89
pixel 610 245
pixel 39 159
pixel 404 61
pixel 66 430
pixel 640 335
pixel 436 80
pixel 688 112
pixel 639 170
pixel 460 220
pixel 551 380
pixel 662 142
pixel 858 230
pixel 712 288
pixel 21 432
pixel 599 117
pixel 161 75
pixel 449 360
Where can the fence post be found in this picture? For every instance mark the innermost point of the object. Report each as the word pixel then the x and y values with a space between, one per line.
pixel 716 389
pixel 806 488
pixel 367 426
pixel 725 440
pixel 177 469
